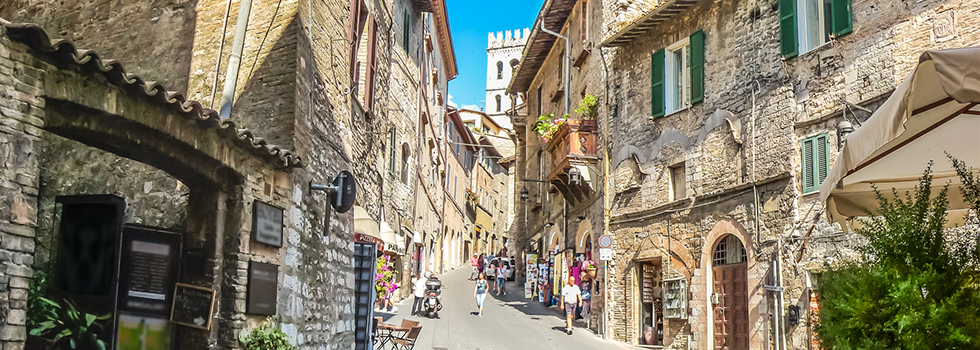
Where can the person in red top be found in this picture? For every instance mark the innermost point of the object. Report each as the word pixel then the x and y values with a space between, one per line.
pixel 474 263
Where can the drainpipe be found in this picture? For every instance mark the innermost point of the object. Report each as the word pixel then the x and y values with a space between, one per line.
pixel 231 78
pixel 567 63
pixel 607 195
pixel 221 48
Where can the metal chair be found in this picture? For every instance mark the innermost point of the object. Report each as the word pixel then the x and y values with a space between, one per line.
pixel 408 341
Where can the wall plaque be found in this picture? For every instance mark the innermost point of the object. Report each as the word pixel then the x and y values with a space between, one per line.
pixel 263 289
pixel 267 223
pixel 192 306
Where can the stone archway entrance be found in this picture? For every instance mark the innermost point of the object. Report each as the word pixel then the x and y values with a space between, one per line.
pixel 729 269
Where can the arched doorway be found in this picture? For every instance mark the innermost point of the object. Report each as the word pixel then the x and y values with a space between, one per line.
pixel 730 300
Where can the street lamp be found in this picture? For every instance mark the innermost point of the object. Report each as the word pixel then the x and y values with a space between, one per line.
pixel 843 129
pixel 525 194
pixel 574 176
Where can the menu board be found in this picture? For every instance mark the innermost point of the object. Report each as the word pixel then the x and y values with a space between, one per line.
pixel 263 289
pixel 267 223
pixel 148 270
pixel 192 306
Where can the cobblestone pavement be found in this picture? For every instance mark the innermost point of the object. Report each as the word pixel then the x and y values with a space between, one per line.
pixel 509 322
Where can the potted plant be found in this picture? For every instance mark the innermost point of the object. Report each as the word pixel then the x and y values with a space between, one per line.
pixel 68 327
pixel 472 197
pixel 588 108
pixel 266 337
pixel 548 125
pixel 590 269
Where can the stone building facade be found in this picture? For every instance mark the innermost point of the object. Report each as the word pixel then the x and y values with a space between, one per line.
pixel 563 178
pixel 718 231
pixel 338 92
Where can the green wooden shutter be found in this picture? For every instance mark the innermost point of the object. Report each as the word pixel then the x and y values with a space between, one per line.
pixel 822 160
pixel 697 66
pixel 391 155
pixel 807 166
pixel 842 18
pixel 787 28
pixel 657 84
pixel 405 31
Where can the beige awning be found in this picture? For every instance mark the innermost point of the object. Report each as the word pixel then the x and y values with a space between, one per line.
pixel 933 112
pixel 364 224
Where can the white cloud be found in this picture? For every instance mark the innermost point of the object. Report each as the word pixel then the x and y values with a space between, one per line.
pixel 471 107
pixel 450 102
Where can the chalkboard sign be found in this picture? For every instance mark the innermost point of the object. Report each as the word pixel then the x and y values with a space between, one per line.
pixel 267 223
pixel 192 306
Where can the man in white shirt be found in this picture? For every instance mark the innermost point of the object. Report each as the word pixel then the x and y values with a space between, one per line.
pixel 419 295
pixel 571 299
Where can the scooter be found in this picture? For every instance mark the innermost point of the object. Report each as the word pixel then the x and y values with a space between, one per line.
pixel 433 297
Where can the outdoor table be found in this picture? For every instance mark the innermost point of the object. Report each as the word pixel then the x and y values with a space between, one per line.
pixel 386 333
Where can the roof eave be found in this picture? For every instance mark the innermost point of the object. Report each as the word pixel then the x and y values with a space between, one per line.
pixel 647 21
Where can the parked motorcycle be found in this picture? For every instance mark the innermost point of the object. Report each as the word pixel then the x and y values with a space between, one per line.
pixel 433 297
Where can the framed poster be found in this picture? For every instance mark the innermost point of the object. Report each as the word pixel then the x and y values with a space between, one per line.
pixel 267 223
pixel 263 288
pixel 143 333
pixel 192 306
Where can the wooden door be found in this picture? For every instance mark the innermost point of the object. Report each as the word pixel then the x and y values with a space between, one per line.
pixel 731 316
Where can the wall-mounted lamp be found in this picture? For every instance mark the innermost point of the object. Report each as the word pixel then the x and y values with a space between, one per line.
pixel 843 129
pixel 793 315
pixel 574 176
pixel 525 194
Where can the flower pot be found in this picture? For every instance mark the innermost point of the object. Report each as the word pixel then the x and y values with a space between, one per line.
pixel 590 272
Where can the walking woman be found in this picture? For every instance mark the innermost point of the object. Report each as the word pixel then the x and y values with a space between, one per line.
pixel 480 292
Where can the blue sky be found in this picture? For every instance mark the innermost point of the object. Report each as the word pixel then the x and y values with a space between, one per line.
pixel 470 21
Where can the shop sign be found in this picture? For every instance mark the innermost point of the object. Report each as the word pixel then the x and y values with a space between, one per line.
pixel 148 270
pixel 394 248
pixel 360 237
pixel 267 224
pixel 193 306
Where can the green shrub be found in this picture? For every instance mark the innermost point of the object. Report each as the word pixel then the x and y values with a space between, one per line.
pixel 915 288
pixel 266 337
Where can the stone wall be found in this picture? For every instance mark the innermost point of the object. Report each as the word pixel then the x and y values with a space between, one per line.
pixel 159 49
pixel 21 109
pixel 775 104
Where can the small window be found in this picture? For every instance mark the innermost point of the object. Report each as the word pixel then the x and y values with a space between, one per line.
pixel 729 251
pixel 678 182
pixel 815 162
pixel 500 70
pixel 406 156
pixel 498 102
pixel 392 134
pixel 584 23
pixel 539 100
pixel 678 75
pixel 806 24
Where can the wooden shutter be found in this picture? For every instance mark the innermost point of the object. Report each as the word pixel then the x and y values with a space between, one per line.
pixel 372 64
pixel 807 166
pixel 354 37
pixel 787 28
pixel 822 160
pixel 697 66
pixel 405 30
pixel 657 84
pixel 392 156
pixel 842 17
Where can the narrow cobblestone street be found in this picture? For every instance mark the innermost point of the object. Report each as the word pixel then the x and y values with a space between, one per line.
pixel 509 322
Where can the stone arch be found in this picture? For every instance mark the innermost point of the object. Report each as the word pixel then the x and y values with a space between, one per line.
pixel 81 97
pixel 723 228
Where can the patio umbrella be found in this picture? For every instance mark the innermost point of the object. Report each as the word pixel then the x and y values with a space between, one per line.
pixel 933 112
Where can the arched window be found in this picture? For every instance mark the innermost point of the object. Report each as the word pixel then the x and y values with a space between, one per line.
pixel 728 252
pixel 500 70
pixel 498 102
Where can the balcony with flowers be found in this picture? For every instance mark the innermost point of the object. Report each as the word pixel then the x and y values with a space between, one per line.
pixel 573 145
